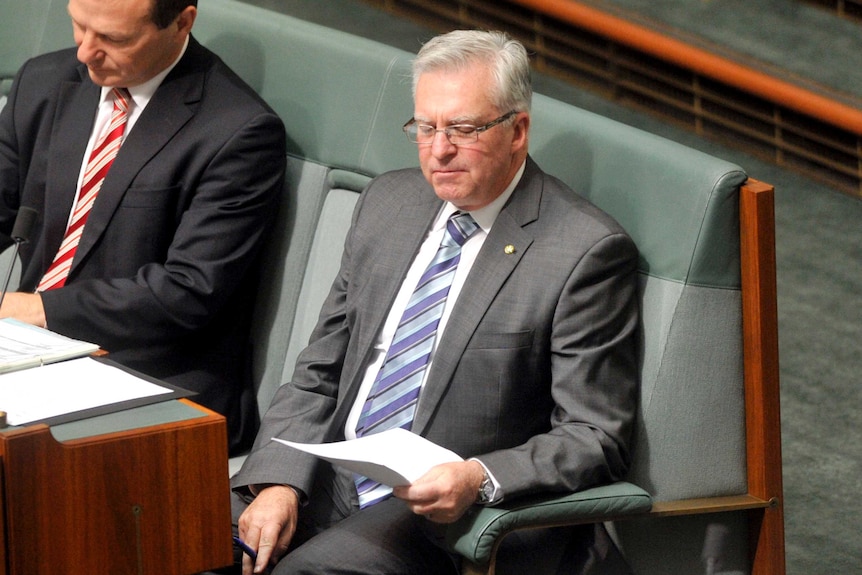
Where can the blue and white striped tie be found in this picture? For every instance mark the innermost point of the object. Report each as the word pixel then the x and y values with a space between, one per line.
pixel 395 393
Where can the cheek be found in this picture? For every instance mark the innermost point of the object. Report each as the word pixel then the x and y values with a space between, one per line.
pixel 424 163
pixel 141 60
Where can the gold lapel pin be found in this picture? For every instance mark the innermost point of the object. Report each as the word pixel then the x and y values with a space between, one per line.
pixel 509 249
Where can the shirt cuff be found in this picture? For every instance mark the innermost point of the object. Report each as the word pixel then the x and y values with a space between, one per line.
pixel 497 495
pixel 300 495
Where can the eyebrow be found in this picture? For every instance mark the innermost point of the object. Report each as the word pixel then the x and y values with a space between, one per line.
pixel 451 122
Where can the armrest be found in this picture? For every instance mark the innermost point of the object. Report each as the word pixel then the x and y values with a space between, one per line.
pixel 476 535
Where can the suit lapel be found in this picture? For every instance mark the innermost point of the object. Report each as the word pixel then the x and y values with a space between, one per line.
pixel 494 264
pixel 407 229
pixel 410 227
pixel 76 110
pixel 170 108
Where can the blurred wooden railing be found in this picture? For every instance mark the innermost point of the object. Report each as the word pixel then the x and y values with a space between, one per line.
pixel 797 126
pixel 851 9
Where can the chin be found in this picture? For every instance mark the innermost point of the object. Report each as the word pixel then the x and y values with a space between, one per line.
pixel 449 189
pixel 447 194
pixel 101 80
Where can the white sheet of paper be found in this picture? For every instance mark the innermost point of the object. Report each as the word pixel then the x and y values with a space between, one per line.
pixel 393 457
pixel 67 387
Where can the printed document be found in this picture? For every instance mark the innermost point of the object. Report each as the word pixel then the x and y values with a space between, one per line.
pixel 392 457
pixel 23 346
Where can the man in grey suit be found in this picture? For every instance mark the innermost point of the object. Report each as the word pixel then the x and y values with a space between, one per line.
pixel 163 276
pixel 532 375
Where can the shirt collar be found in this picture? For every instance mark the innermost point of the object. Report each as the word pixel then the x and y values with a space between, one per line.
pixel 487 215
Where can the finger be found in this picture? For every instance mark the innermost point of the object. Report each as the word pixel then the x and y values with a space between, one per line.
pixel 265 553
pixel 438 517
pixel 247 565
pixel 442 517
pixel 417 493
pixel 250 537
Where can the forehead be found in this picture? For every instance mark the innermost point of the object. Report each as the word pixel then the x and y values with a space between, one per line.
pixel 110 15
pixel 454 95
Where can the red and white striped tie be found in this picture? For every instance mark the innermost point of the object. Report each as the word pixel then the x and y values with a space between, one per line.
pixel 97 168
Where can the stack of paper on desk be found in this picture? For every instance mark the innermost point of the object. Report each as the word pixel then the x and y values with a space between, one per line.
pixel 72 387
pixel 23 346
pixel 46 378
pixel 393 457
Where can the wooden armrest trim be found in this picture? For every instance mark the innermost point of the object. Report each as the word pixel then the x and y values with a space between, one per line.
pixel 710 505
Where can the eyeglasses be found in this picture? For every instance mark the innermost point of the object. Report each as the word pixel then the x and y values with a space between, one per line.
pixel 457 134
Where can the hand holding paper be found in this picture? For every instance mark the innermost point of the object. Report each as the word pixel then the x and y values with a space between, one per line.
pixel 393 457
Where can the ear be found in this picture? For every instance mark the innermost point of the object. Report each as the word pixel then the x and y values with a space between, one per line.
pixel 521 131
pixel 186 20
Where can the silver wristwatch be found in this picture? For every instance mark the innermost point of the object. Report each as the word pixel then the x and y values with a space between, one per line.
pixel 486 491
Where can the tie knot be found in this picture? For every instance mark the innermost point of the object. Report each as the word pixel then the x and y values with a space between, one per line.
pixel 461 226
pixel 121 98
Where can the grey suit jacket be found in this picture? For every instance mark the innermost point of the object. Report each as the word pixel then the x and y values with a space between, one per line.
pixel 163 277
pixel 535 373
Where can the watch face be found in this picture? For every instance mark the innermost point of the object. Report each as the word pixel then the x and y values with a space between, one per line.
pixel 486 490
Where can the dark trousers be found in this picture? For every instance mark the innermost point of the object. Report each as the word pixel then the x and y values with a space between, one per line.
pixel 334 537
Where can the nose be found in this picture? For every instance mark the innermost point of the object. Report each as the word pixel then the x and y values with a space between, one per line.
pixel 89 50
pixel 441 146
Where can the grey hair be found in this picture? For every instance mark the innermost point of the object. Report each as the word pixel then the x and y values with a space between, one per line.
pixel 507 58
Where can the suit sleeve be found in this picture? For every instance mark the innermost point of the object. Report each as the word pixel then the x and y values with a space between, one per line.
pixel 216 239
pixel 593 371
pixel 9 169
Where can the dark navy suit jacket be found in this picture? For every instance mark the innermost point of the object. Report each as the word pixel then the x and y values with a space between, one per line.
pixel 163 277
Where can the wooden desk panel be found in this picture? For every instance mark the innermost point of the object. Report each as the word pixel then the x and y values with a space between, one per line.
pixel 153 500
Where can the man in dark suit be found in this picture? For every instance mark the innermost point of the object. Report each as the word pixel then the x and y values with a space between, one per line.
pixel 163 274
pixel 532 379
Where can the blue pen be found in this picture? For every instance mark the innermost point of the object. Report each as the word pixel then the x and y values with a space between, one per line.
pixel 245 548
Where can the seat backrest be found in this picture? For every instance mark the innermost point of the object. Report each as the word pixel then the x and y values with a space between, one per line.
pixel 682 209
pixel 343 100
pixel 30 28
